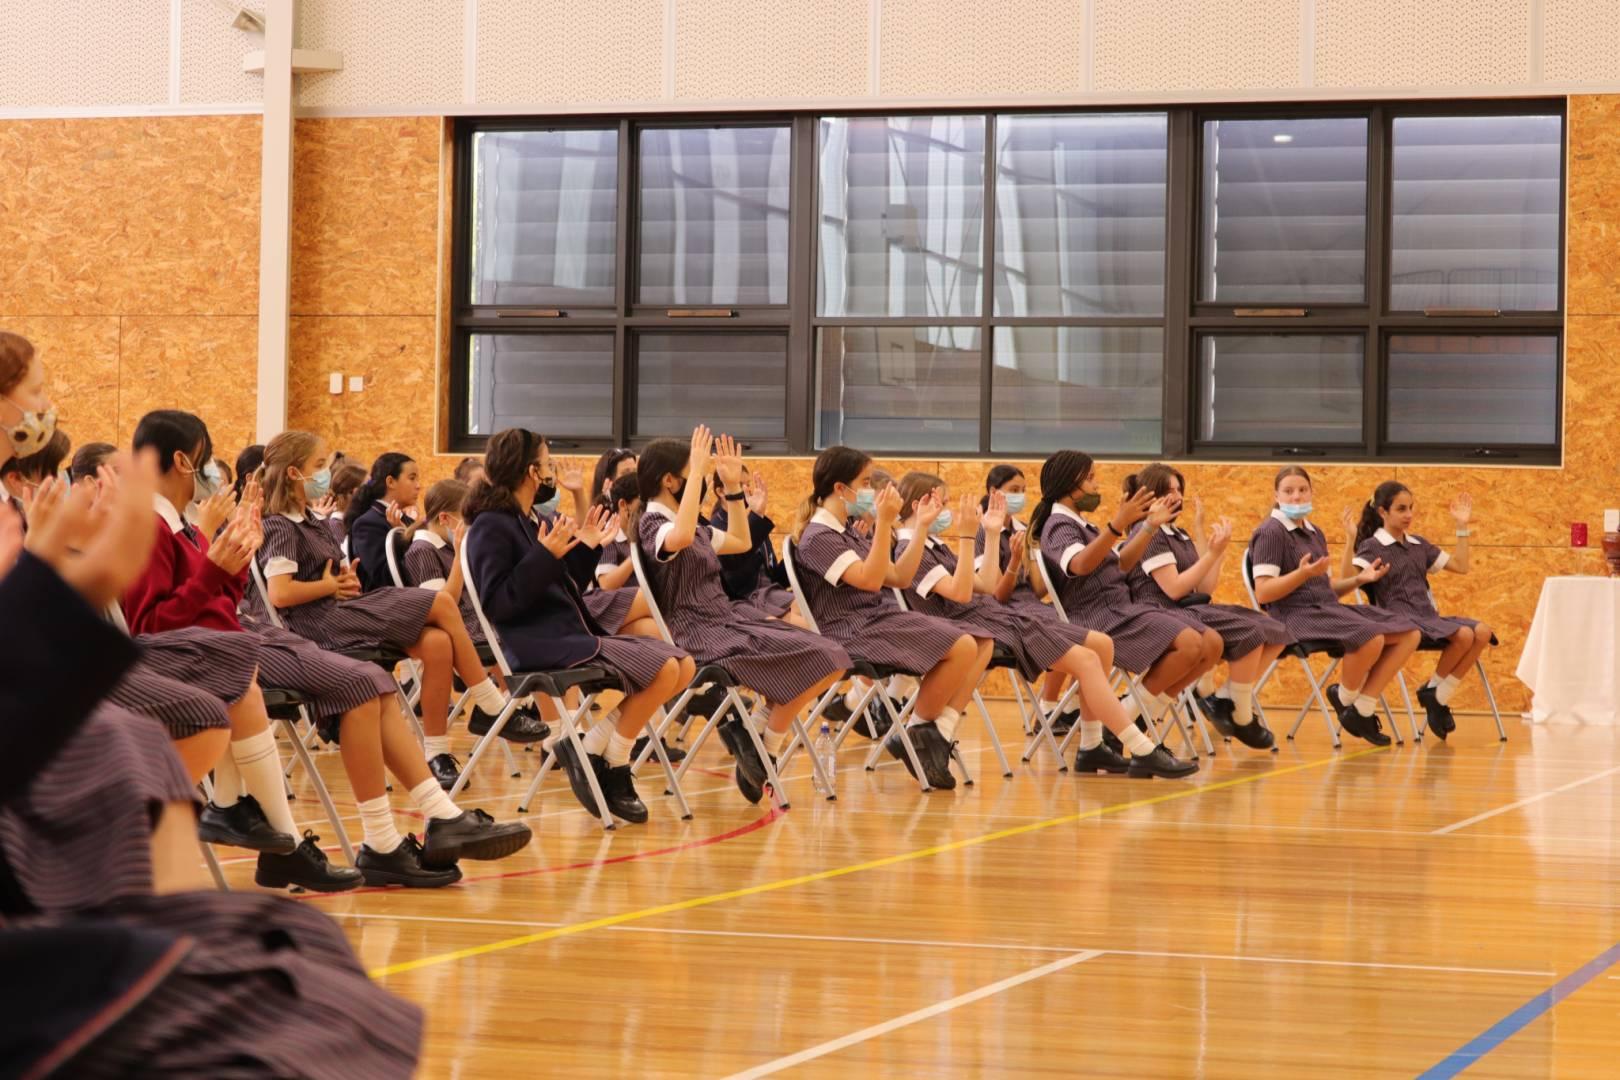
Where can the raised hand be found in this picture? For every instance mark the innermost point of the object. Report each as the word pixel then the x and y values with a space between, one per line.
pixel 571 478
pixel 887 505
pixel 929 507
pixel 114 544
pixel 994 517
pixel 758 496
pixel 1462 509
pixel 1372 573
pixel 862 528
pixel 728 462
pixel 1017 548
pixel 600 525
pixel 325 506
pixel 1220 536
pixel 458 536
pixel 1314 567
pixel 252 493
pixel 557 536
pixel 395 515
pixel 1132 510
pixel 1198 515
pixel 701 454
pixel 968 515
pixel 1163 509
pixel 213 511
pixel 233 549
pixel 1349 519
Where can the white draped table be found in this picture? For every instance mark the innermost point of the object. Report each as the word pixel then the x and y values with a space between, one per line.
pixel 1571 657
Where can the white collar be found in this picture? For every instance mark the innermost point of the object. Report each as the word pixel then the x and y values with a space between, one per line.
pixel 823 516
pixel 1064 511
pixel 294 517
pixel 171 517
pixel 1383 537
pixel 428 536
pixel 1289 523
pixel 907 534
pixel 658 510
pixel 1170 530
pixel 620 538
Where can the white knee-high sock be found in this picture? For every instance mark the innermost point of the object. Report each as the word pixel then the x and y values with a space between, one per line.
pixel 432 800
pixel 259 765
pixel 596 739
pixel 487 696
pixel 618 750
pixel 947 722
pixel 1091 734
pixel 434 745
pixel 1242 695
pixel 1448 687
pixel 377 819
pixel 1136 741
pixel 227 782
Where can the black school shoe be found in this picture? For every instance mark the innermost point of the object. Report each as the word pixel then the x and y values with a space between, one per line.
pixel 523 726
pixel 569 760
pixel 1255 735
pixel 1439 716
pixel 619 789
pixel 932 750
pixel 1100 759
pixel 751 775
pixel 243 825
pixel 404 866
pixel 1162 763
pixel 1219 712
pixel 445 769
pixel 677 754
pixel 474 835
pixel 1368 728
pixel 307 868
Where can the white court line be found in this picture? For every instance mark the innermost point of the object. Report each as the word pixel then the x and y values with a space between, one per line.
pixel 992 946
pixel 1523 802
pixel 917 1016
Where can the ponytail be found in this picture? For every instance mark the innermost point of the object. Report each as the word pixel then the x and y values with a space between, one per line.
pixel 659 458
pixel 834 465
pixel 387 467
pixel 1383 498
pixel 999 477
pixel 444 497
pixel 1060 474
pixel 507 457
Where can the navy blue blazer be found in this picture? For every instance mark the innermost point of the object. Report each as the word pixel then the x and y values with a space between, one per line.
pixel 535 600
pixel 746 571
pixel 366 538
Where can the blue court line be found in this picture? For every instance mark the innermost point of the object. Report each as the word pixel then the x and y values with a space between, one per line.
pixel 1516 1021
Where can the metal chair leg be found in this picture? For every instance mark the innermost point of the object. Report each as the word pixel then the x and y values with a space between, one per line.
pixel 321 791
pixel 1490 698
pixel 990 729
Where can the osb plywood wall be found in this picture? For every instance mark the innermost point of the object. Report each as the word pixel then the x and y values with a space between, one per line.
pixel 131 250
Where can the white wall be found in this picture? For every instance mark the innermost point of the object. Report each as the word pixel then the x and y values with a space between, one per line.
pixel 480 56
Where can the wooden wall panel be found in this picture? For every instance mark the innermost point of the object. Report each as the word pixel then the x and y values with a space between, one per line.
pixel 205 365
pixel 393 354
pixel 80 355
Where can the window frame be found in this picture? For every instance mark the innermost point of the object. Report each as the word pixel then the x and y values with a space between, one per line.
pixel 1185 318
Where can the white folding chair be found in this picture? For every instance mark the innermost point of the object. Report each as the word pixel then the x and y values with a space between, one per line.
pixel 1428 644
pixel 588 679
pixel 716 674
pixel 1001 660
pixel 877 690
pixel 1301 651
pixel 1133 686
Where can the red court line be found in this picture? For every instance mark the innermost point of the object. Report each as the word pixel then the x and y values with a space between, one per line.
pixel 743 830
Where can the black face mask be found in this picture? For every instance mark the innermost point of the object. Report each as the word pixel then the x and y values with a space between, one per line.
pixel 703 492
pixel 1087 501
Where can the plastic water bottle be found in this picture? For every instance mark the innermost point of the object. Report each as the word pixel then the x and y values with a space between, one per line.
pixel 827 758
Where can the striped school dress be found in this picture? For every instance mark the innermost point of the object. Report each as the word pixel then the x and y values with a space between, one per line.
pixel 183 710
pixel 1036 642
pixel 775 659
pixel 755 576
pixel 267 986
pixel 1242 629
pixel 869 625
pixel 1313 611
pixel 1101 600
pixel 388 618
pixel 429 562
pixel 611 607
pixel 185 678
pixel 1404 590
pixel 80 836
pixel 1023 595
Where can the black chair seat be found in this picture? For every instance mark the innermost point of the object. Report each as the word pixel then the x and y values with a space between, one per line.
pixel 868 670
pixel 1315 646
pixel 1435 644
pixel 381 655
pixel 588 679
pixel 715 674
pixel 282 704
pixel 1193 599
pixel 1002 657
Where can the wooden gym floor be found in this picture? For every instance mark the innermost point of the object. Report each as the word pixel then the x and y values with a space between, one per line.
pixel 1421 910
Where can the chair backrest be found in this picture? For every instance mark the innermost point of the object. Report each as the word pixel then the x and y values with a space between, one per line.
pixel 793 583
pixel 264 594
pixel 393 544
pixel 1248 576
pixel 647 593
pixel 1051 587
pixel 115 615
pixel 900 597
pixel 471 588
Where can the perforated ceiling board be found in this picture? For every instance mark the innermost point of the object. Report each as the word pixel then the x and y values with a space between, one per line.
pixel 1400 43
pixel 211 52
pixel 990 48
pixel 770 49
pixel 540 52
pixel 1580 41
pixel 56 54
pixel 393 54
pixel 1195 45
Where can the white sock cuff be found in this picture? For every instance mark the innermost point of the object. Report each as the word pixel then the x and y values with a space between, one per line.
pixel 253 747
pixel 618 750
pixel 1090 734
pixel 1365 705
pixel 487 696
pixel 432 800
pixel 1136 741
pixel 434 745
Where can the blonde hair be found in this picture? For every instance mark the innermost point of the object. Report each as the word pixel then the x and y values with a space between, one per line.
pixel 285 452
pixel 913 487
pixel 444 497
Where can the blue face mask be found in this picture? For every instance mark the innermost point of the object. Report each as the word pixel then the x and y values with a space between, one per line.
pixel 941 523
pixel 1015 503
pixel 316 487
pixel 550 505
pixel 1294 513
pixel 865 500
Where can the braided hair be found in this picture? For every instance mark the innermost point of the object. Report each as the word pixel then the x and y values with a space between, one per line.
pixel 1060 474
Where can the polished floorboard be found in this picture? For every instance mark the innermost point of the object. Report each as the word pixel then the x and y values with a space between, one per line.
pixel 1422 910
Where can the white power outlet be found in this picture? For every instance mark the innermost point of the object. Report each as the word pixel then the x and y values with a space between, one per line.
pixel 357 383
pixel 334 382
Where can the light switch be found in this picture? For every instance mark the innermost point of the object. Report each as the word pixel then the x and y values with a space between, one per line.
pixel 335 382
pixel 357 383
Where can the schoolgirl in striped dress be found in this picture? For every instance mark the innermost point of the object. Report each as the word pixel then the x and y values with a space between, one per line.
pixel 1168 649
pixel 1289 561
pixel 191 582
pixel 1383 534
pixel 949 586
pixel 789 667
pixel 1177 564
pixel 846 579
pixel 320 598
pixel 528 569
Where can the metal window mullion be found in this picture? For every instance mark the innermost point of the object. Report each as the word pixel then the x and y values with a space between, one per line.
pixel 623 421
pixel 1181 257
pixel 987 293
pixel 801 283
pixel 1379 179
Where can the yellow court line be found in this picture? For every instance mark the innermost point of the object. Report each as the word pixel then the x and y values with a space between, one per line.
pixel 853 868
